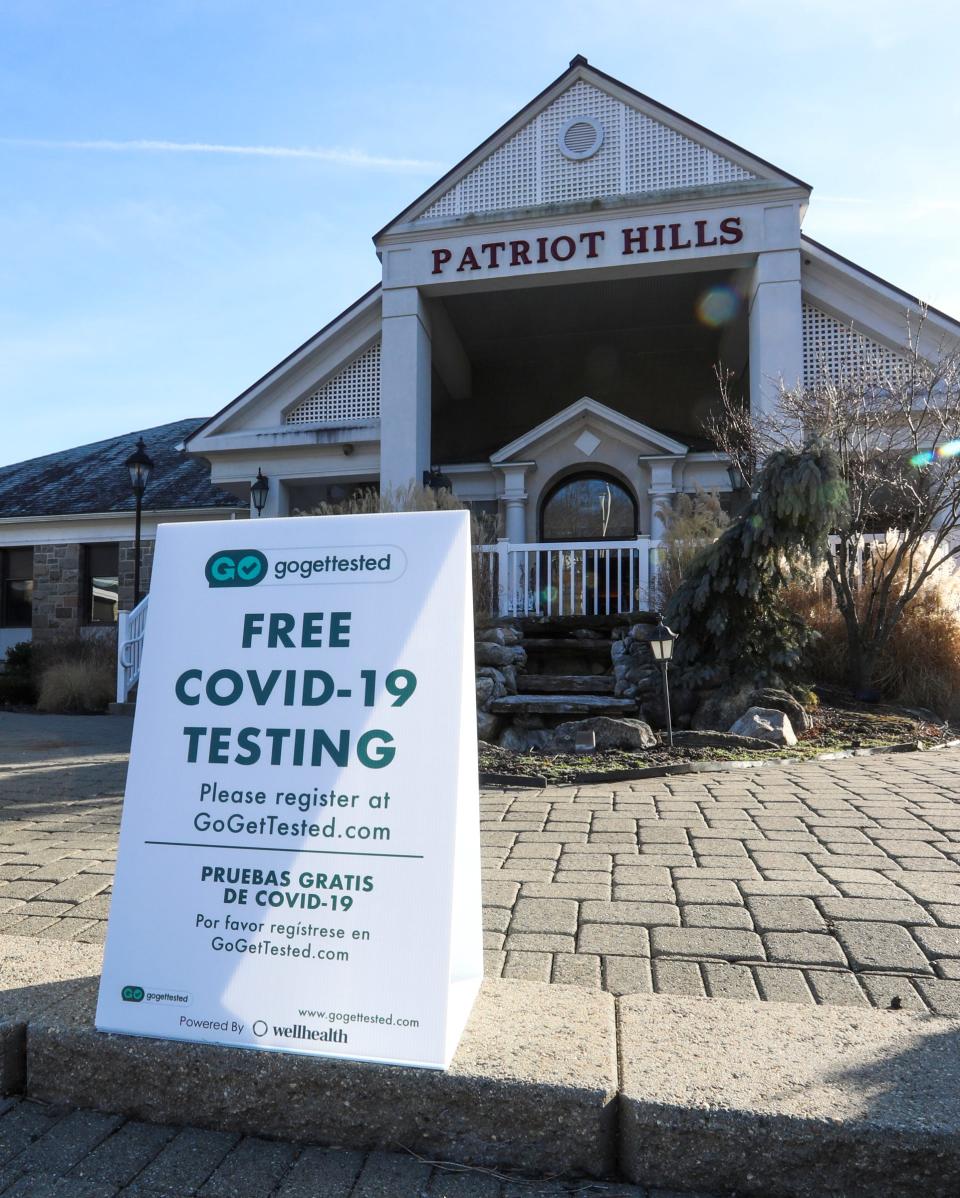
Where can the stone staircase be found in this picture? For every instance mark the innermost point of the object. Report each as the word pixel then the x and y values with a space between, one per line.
pixel 569 670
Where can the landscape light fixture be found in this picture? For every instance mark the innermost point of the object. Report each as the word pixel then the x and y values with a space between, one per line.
pixel 258 491
pixel 139 464
pixel 661 646
pixel 436 480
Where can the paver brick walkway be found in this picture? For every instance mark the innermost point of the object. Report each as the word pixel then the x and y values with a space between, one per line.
pixel 50 1153
pixel 827 882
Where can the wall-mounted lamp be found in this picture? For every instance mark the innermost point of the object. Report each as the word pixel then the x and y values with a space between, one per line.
pixel 258 492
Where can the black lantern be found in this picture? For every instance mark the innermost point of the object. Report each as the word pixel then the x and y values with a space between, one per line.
pixel 139 464
pixel 258 491
pixel 661 646
pixel 436 480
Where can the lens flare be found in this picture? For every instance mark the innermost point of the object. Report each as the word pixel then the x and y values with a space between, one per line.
pixel 922 459
pixel 949 449
pixel 717 306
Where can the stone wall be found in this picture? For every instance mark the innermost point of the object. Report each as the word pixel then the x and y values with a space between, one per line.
pixel 498 655
pixel 127 559
pixel 57 605
pixel 59 599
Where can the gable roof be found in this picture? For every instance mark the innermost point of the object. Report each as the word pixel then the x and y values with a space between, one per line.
pixel 581 409
pixel 809 244
pixel 291 360
pixel 592 85
pixel 93 478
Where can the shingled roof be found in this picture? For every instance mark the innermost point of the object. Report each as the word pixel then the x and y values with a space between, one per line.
pixel 93 478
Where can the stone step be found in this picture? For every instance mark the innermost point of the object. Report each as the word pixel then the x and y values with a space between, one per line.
pixel 562 705
pixel 586 646
pixel 565 684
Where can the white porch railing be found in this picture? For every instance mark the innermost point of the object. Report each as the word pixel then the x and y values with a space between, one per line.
pixel 130 629
pixel 576 579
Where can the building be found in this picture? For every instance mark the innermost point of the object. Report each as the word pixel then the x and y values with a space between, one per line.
pixel 67 530
pixel 546 333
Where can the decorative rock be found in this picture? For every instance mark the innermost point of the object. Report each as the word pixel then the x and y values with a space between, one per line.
pixel 705 739
pixel 485 689
pixel 643 632
pixel 489 654
pixel 619 650
pixel 495 636
pixel 487 726
pixel 521 740
pixel 782 701
pixel 765 723
pixel 721 709
pixel 610 733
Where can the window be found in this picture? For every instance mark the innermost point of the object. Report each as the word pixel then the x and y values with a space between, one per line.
pixel 306 498
pixel 102 586
pixel 588 507
pixel 16 588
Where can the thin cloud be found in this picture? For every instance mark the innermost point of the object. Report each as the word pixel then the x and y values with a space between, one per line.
pixel 357 158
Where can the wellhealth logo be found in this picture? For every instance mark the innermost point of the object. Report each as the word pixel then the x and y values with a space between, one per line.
pixel 236 568
pixel 132 994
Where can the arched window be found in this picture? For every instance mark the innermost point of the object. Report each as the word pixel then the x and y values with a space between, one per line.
pixel 588 507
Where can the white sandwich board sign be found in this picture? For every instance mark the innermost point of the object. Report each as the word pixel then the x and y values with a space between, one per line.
pixel 299 863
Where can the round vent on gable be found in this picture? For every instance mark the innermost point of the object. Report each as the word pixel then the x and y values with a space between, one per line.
pixel 580 137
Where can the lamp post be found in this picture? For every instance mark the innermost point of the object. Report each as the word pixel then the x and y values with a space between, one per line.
pixel 139 463
pixel 258 491
pixel 661 646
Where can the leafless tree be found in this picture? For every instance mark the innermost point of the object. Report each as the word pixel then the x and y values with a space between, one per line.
pixel 893 420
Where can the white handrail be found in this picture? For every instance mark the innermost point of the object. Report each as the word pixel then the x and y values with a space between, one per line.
pixel 131 626
pixel 575 578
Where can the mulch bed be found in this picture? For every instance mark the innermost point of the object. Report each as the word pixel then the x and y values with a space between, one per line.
pixel 840 724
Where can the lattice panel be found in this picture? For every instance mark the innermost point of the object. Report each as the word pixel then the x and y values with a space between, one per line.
pixel 638 155
pixel 352 394
pixel 833 350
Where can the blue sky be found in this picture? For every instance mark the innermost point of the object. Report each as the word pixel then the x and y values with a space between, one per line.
pixel 146 284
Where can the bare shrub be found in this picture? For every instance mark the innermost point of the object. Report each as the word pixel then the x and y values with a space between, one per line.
pixel 893 423
pixel 919 665
pixel 76 675
pixel 691 523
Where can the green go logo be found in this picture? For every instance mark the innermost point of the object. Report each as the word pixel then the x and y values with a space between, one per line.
pixel 236 568
pixel 132 994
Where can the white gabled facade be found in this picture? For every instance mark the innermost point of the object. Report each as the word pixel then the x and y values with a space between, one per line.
pixel 594 203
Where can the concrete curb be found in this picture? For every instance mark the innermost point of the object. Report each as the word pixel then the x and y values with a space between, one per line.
pixel 533 1085
pixel 783 1101
pixel 768 1100
pixel 35 975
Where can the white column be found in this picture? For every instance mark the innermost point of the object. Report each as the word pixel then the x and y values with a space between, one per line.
pixel 514 498
pixel 776 332
pixel 404 389
pixel 661 491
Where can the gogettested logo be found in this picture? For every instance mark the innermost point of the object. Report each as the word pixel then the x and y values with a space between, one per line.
pixel 132 994
pixel 236 568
